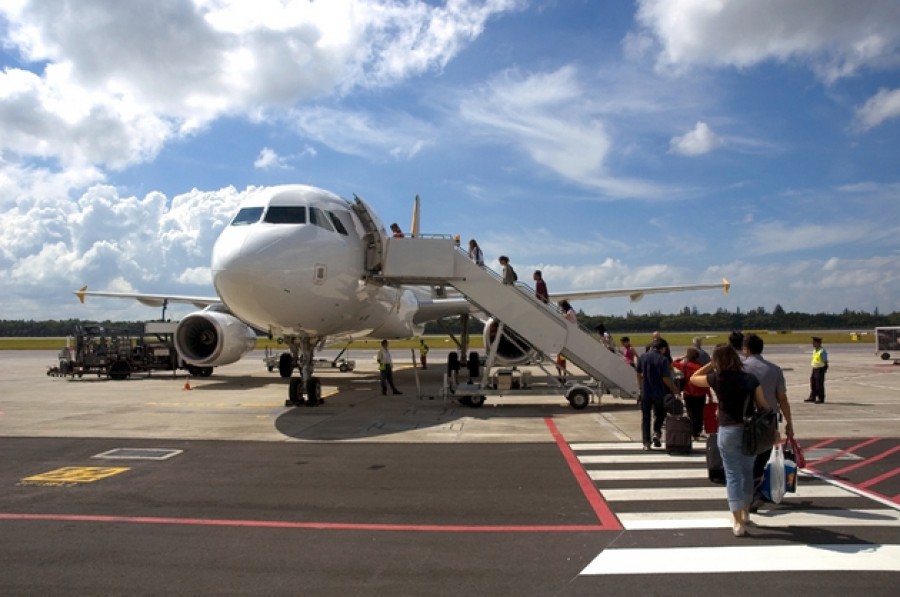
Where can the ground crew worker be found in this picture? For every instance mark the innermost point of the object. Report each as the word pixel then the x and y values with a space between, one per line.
pixel 423 353
pixel 386 367
pixel 819 365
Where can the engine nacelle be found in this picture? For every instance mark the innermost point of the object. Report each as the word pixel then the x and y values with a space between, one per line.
pixel 512 350
pixel 211 338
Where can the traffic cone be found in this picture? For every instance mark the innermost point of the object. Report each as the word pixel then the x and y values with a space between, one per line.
pixel 187 385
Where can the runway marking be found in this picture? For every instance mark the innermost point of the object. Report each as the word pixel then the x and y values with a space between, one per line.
pixel 659 494
pixel 721 519
pixel 664 473
pixel 324 526
pixel 71 475
pixel 851 467
pixel 879 479
pixel 749 559
pixel 847 450
pixel 607 519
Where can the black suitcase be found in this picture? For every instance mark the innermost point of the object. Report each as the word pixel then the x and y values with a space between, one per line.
pixel 678 434
pixel 714 467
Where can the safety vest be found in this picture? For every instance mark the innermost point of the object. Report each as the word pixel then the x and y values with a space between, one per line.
pixel 817 361
pixel 424 349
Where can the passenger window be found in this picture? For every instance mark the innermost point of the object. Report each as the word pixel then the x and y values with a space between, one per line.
pixel 286 214
pixel 247 215
pixel 317 217
pixel 338 225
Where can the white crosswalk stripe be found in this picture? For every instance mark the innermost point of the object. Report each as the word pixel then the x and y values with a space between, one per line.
pixel 654 492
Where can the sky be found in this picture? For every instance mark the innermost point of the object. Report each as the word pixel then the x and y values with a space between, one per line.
pixel 610 144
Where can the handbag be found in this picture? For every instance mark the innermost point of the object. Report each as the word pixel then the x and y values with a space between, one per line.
pixel 760 430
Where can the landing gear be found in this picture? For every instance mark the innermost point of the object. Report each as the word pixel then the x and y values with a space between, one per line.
pixel 302 353
pixel 285 364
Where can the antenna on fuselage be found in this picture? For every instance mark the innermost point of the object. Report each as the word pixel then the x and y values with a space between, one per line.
pixel 414 227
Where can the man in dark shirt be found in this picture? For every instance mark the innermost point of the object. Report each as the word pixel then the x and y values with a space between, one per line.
pixel 655 374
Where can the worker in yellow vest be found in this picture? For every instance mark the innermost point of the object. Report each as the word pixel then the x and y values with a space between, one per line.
pixel 819 365
pixel 423 353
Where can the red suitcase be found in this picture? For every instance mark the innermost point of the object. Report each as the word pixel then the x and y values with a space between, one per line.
pixel 710 417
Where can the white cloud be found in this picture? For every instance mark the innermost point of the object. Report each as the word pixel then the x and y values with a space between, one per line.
pixel 269 159
pixel 834 37
pixel 883 106
pixel 551 117
pixel 772 237
pixel 701 139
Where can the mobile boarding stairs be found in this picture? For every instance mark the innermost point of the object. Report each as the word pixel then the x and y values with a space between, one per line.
pixel 437 261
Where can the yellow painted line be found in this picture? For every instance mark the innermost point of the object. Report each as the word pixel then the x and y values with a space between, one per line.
pixel 74 474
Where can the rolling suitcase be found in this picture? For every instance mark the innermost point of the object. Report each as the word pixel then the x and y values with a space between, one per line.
pixel 710 417
pixel 714 467
pixel 678 434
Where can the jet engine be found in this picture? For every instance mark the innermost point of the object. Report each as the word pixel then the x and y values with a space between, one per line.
pixel 210 338
pixel 512 350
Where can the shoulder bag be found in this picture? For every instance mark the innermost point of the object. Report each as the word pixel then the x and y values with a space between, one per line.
pixel 760 429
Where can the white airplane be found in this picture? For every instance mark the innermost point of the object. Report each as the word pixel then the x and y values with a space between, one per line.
pixel 298 263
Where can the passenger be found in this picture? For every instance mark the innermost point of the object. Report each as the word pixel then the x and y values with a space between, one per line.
pixel 702 355
pixel 396 230
pixel 456 241
pixel 423 353
pixel 540 287
pixel 694 397
pixel 771 379
pixel 561 368
pixel 733 386
pixel 655 376
pixel 507 273
pixel 386 367
pixel 475 253
pixel 628 351
pixel 568 312
pixel 605 337
pixel 736 340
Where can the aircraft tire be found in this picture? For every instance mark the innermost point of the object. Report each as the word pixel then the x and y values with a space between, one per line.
pixel 295 392
pixel 313 392
pixel 119 370
pixel 452 363
pixel 285 364
pixel 474 365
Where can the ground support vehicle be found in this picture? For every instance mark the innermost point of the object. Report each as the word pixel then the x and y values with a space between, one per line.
pixel 284 362
pixel 887 341
pixel 513 381
pixel 117 354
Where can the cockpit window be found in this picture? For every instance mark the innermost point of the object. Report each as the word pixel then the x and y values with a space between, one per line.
pixel 318 217
pixel 286 214
pixel 338 225
pixel 247 215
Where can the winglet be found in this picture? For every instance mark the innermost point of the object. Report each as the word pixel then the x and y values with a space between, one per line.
pixel 80 294
pixel 726 286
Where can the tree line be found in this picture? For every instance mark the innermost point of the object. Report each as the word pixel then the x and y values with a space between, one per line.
pixel 687 320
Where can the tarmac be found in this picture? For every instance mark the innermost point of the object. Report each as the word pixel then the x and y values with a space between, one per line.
pixel 246 402
pixel 168 484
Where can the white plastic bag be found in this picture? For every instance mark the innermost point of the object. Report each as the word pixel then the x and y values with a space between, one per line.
pixel 773 481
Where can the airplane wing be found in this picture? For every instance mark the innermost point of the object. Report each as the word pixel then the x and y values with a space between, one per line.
pixel 636 294
pixel 151 300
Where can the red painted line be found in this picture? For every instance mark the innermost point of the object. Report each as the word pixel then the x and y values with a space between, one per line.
pixel 822 443
pixel 842 452
pixel 879 479
pixel 328 526
pixel 857 465
pixel 607 519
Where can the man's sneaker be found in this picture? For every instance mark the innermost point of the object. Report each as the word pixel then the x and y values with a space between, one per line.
pixel 646 447
pixel 656 442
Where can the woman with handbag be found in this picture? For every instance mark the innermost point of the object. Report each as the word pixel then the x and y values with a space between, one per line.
pixel 733 386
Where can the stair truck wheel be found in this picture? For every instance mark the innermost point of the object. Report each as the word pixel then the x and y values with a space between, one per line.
pixel 476 401
pixel 119 370
pixel 579 398
pixel 885 356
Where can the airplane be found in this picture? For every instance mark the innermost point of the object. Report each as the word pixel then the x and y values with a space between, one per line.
pixel 296 262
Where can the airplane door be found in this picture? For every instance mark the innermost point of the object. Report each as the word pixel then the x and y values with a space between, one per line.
pixel 374 234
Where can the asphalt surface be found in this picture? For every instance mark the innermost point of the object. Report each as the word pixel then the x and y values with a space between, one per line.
pixel 147 487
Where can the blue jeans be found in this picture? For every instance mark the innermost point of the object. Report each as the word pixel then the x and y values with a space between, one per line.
pixel 738 467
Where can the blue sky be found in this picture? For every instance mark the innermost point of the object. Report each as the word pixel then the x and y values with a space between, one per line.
pixel 610 144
